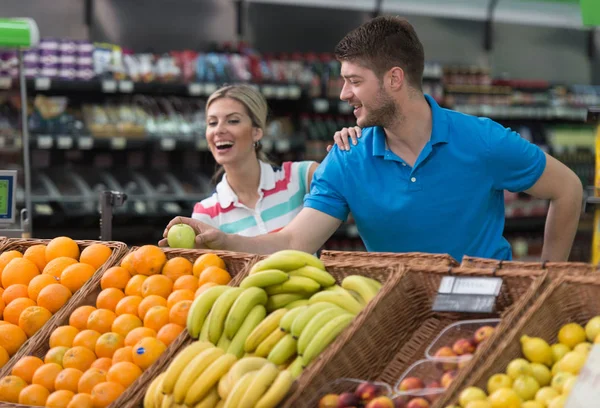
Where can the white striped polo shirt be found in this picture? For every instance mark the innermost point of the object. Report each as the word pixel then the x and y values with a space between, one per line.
pixel 281 197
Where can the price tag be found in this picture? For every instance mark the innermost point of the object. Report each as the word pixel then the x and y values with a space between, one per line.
pixel 85 143
pixel 126 86
pixel 282 92
pixel 109 86
pixel 42 84
pixel 321 105
pixel 64 142
pixel 294 91
pixel 345 108
pixel 44 142
pixel 464 303
pixel 587 385
pixel 140 207
pixel 283 145
pixel 202 145
pixel 195 89
pixel 467 294
pixel 471 285
pixel 172 208
pixel 267 145
pixel 5 83
pixel 43 209
pixel 118 143
pixel 167 144
pixel 209 88
pixel 268 91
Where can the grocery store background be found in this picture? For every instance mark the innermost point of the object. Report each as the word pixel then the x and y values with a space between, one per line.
pixel 117 87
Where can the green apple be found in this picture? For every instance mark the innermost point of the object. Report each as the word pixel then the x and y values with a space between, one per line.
pixel 181 236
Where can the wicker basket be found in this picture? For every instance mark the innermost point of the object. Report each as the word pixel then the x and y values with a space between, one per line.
pixel 555 269
pixel 567 299
pixel 416 259
pixel 396 331
pixel 119 249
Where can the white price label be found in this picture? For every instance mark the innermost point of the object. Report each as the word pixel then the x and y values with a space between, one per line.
pixel 5 83
pixel 209 88
pixel 42 84
pixel 587 385
pixel 118 143
pixel 283 145
pixel 195 89
pixel 352 230
pixel 2 141
pixel 44 142
pixel 64 142
pixel 294 91
pixel 140 207
pixel 126 86
pixel 267 145
pixel 321 105
pixel 43 209
pixel 172 208
pixel 470 286
pixel 202 145
pixel 167 144
pixel 109 86
pixel 282 92
pixel 85 142
pixel 345 108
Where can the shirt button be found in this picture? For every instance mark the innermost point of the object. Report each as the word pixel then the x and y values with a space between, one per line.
pixel 404 164
pixel 413 179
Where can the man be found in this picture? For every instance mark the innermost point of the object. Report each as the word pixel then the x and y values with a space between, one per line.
pixel 422 178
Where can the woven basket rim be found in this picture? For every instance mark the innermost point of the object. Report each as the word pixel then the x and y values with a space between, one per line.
pixel 328 253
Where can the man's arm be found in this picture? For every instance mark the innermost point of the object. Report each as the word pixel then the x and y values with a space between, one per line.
pixel 562 187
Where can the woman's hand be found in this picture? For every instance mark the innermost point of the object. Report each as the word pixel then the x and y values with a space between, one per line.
pixel 206 235
pixel 341 138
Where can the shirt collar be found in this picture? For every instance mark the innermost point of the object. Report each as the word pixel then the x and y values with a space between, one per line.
pixel 226 194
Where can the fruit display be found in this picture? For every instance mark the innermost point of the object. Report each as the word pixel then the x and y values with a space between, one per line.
pixel 36 283
pixel 141 308
pixel 366 394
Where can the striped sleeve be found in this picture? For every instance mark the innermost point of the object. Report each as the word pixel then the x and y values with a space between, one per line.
pixel 300 172
pixel 202 212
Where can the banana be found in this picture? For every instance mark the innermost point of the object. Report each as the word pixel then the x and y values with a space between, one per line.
pixel 324 337
pixel 201 307
pixel 237 371
pixel 296 303
pixel 159 395
pixel 236 395
pixel 320 276
pixel 179 363
pixel 367 288
pixel 315 325
pixel 259 385
pixel 193 370
pixel 296 367
pixel 224 387
pixel 242 306
pixel 254 318
pixel 209 378
pixel 168 401
pixel 287 320
pixel 223 342
pixel 267 344
pixel 282 300
pixel 204 331
pixel 287 260
pixel 219 312
pixel 357 297
pixel 307 314
pixel 262 331
pixel 210 400
pixel 283 350
pixel 264 278
pixel 220 404
pixel 277 391
pixel 295 284
pixel 343 300
pixel 151 392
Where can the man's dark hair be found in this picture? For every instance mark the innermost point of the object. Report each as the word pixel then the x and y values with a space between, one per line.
pixel 383 43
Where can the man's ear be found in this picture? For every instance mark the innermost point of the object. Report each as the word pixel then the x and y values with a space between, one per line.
pixel 395 78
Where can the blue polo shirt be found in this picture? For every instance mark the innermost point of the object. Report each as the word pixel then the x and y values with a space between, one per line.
pixel 451 201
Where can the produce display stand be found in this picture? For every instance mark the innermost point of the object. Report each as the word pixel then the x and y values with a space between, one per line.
pixel 407 258
pixel 555 269
pixel 397 329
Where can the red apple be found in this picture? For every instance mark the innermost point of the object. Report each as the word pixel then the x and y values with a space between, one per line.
pixel 380 402
pixel 418 403
pixel 447 378
pixel 483 333
pixel 446 353
pixel 433 384
pixel 463 346
pixel 329 401
pixel 400 401
pixel 411 383
pixel 367 391
pixel 348 399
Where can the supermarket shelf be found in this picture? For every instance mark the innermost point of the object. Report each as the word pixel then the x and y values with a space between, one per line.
pixel 359 5
pixel 561 113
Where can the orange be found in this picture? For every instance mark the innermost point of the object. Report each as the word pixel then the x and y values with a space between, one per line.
pixel 56 266
pixel 156 317
pixel 101 320
pixel 63 336
pixel 122 354
pixel 157 285
pixel 80 358
pixel 33 318
pixel 4 357
pixel 13 311
pixel 53 297
pixel 81 401
pixel 62 246
pixel 89 379
pixel 188 282
pixel 14 292
pixel 87 339
pixel 26 367
pixel 109 298
pixel 178 296
pixel 115 277
pixel 80 316
pixel 214 274
pixel 2 306
pixel 19 270
pixel 149 302
pixel 127 263
pixel 38 283
pixel 203 288
pixel 68 379
pixel 124 373
pixel 179 312
pixel 206 260
pixel 10 388
pixel 75 276
pixel 177 267
pixel 6 257
pixel 147 351
pixel 34 395
pixel 59 399
pixel 125 323
pixel 134 286
pixel 37 255
pixel 138 334
pixel 95 255
pixel 103 364
pixel 12 338
pixel 46 374
pixel 106 393
pixel 169 332
pixel 148 260
pixel 56 355
pixel 128 305
pixel 108 343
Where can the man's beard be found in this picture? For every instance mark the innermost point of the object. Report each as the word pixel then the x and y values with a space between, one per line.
pixel 384 112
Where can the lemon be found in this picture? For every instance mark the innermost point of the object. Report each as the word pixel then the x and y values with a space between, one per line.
pixel 526 386
pixel 571 335
pixel 505 398
pixel 558 402
pixel 558 351
pixel 517 367
pixel 541 373
pixel 479 404
pixel 556 369
pixel 584 348
pixel 532 404
pixel 545 395
pixel 536 350
pixel 597 339
pixel 471 394
pixel 558 381
pixel 572 362
pixel 569 384
pixel 592 328
pixel 498 381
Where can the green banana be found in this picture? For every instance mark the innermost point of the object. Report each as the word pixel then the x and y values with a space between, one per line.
pixel 241 367
pixel 193 370
pixel 200 308
pixel 343 300
pixel 262 331
pixel 209 378
pixel 210 400
pixel 295 284
pixel 302 320
pixel 254 318
pixel 367 288
pixel 287 260
pixel 282 300
pixel 179 363
pixel 357 297
pixel 287 320
pixel 320 276
pixel 277 391
pixel 204 331
pixel 264 278
pixel 283 350
pixel 236 395
pixel 315 325
pixel 324 337
pixel 296 303
pixel 259 385
pixel 219 312
pixel 296 367
pixel 223 342
pixel 265 347
pixel 249 298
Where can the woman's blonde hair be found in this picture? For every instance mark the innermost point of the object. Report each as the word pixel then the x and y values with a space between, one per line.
pixel 256 107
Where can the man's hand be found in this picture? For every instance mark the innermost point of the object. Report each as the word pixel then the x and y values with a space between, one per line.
pixel 341 138
pixel 206 236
